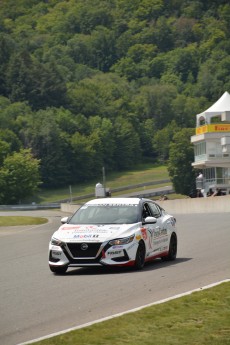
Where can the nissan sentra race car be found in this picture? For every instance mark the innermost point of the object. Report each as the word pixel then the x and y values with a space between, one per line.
pixel 113 232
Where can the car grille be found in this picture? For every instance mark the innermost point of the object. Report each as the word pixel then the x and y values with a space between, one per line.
pixel 83 250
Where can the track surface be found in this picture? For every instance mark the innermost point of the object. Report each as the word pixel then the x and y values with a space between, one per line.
pixel 34 302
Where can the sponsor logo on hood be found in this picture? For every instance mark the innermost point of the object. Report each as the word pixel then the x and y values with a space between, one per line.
pixel 92 233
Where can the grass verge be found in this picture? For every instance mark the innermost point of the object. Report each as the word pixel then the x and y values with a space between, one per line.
pixel 141 174
pixel 20 220
pixel 202 318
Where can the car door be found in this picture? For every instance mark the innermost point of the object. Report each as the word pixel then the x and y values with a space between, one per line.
pixel 148 231
pixel 160 236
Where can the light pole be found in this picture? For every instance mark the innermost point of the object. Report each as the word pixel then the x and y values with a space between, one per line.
pixel 70 192
pixel 104 180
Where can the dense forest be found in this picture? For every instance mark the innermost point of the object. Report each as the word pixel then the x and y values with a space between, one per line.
pixel 92 83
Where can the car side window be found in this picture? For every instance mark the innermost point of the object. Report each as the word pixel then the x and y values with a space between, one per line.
pixel 146 212
pixel 156 212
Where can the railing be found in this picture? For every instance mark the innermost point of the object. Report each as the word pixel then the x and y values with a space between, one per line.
pixel 205 157
pixel 218 181
pixel 204 183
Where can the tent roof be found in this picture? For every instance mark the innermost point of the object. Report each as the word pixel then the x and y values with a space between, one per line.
pixel 222 105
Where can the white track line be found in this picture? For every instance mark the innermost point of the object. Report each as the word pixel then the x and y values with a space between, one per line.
pixel 123 313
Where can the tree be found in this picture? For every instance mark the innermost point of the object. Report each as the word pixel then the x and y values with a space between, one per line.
pixel 87 156
pixel 48 143
pixel 82 99
pixel 136 64
pixel 103 49
pixel 19 177
pixel 19 76
pixel 4 150
pixel 13 115
pixel 6 49
pixel 162 138
pixel 160 34
pixel 185 109
pixel 128 151
pixel 181 156
pixel 146 133
pixel 156 102
pixel 41 85
pixel 104 129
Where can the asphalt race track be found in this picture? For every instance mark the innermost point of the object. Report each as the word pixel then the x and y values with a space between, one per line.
pixel 34 302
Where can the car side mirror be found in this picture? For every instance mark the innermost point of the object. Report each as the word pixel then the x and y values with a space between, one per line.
pixel 64 220
pixel 150 220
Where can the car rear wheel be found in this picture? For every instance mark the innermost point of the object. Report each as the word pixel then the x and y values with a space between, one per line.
pixel 140 256
pixel 172 249
pixel 58 269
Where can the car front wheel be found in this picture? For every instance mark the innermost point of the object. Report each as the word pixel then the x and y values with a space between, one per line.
pixel 58 269
pixel 140 256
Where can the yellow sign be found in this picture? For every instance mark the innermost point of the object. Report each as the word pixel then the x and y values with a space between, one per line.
pixel 202 129
pixel 215 127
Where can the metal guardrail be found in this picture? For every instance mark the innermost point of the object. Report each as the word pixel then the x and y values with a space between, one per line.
pixel 143 194
pixel 118 189
pixel 29 207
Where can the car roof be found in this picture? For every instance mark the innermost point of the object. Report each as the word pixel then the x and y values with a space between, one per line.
pixel 112 201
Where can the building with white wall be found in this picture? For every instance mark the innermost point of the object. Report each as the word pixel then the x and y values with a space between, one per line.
pixel 212 146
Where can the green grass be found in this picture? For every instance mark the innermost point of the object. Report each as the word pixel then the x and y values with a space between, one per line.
pixel 20 220
pixel 202 318
pixel 141 174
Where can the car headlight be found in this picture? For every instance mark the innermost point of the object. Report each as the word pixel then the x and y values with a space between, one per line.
pixel 121 241
pixel 56 242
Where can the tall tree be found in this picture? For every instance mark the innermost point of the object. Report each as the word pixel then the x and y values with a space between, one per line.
pixel 42 134
pixel 104 129
pixel 181 156
pixel 20 177
pixel 162 138
pixel 7 46
pixel 128 150
pixel 87 156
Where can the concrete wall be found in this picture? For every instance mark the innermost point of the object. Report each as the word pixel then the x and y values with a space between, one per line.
pixel 69 208
pixel 182 206
pixel 216 204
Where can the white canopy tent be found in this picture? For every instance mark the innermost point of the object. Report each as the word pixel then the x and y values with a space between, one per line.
pixel 221 107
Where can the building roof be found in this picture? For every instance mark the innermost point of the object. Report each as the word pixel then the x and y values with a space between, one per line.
pixel 222 105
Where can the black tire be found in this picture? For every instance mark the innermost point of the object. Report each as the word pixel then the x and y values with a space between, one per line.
pixel 58 269
pixel 140 256
pixel 172 249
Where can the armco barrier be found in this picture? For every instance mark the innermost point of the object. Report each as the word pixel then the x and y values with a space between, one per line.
pixel 29 207
pixel 216 204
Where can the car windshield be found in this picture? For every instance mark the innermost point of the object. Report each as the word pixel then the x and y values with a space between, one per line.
pixel 105 214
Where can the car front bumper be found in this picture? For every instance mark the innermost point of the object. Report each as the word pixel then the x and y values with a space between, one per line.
pixel 97 254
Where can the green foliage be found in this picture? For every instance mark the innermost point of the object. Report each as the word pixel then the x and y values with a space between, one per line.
pixel 11 139
pixel 180 159
pixel 4 150
pixel 94 83
pixel 128 150
pixel 87 158
pixel 40 84
pixel 162 140
pixel 42 133
pixel 19 177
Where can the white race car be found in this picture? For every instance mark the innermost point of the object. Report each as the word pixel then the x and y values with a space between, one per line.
pixel 113 232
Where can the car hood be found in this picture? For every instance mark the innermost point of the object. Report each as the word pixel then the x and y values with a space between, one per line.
pixel 93 233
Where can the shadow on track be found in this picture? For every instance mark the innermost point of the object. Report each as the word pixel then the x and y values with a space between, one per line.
pixel 149 266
